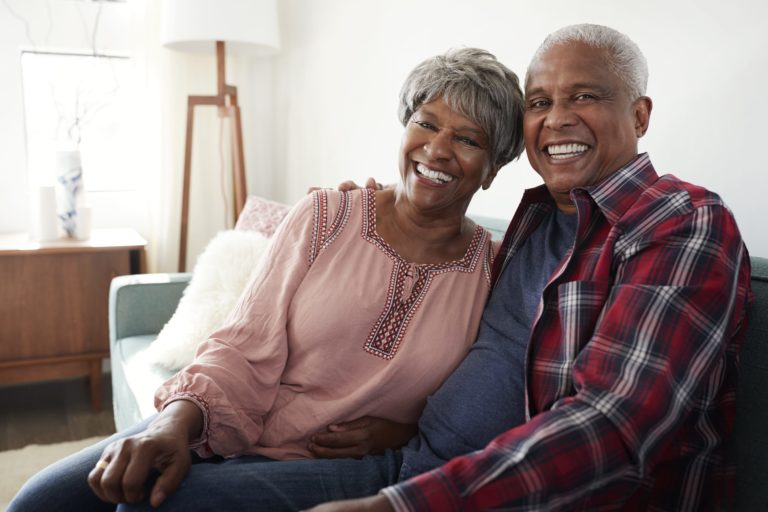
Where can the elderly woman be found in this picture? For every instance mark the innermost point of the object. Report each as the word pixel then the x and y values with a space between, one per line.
pixel 366 301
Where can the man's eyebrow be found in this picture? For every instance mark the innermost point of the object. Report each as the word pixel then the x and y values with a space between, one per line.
pixel 534 91
pixel 603 89
pixel 592 86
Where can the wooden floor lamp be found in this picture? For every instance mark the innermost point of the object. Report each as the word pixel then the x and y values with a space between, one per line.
pixel 226 101
pixel 249 27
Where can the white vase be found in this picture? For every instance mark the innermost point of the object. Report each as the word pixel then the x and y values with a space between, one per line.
pixel 69 189
pixel 47 220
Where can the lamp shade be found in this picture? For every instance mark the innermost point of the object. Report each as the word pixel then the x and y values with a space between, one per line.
pixel 247 26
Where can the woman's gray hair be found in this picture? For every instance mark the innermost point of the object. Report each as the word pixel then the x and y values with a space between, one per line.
pixel 472 82
pixel 624 56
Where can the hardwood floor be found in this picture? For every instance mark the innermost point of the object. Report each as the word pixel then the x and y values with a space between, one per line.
pixel 52 412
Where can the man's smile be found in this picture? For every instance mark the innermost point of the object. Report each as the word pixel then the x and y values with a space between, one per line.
pixel 564 151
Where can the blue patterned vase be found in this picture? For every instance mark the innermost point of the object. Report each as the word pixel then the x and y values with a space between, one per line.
pixel 69 184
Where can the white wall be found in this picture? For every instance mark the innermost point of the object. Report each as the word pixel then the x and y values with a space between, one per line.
pixel 343 62
pixel 324 109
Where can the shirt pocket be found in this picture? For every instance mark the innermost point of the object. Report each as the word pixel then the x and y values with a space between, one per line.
pixel 580 305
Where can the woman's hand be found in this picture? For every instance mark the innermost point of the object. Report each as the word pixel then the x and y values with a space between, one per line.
pixel 360 437
pixel 121 474
pixel 378 503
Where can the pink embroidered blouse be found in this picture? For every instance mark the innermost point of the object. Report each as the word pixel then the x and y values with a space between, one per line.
pixel 335 326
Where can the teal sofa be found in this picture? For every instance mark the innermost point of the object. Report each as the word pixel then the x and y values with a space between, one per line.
pixel 140 305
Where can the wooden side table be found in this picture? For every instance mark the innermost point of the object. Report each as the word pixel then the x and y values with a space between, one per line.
pixel 53 304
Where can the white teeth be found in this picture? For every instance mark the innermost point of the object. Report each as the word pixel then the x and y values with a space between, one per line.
pixel 562 151
pixel 436 176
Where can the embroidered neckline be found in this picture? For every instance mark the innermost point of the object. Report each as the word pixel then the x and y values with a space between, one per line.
pixel 465 264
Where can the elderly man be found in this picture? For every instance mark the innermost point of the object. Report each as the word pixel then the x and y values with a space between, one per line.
pixel 632 357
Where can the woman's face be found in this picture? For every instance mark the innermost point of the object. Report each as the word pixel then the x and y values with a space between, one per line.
pixel 444 159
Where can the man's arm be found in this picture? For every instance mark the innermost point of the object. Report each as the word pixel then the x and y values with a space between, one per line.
pixel 656 350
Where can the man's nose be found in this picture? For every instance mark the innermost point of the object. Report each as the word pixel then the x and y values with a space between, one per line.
pixel 560 116
pixel 438 147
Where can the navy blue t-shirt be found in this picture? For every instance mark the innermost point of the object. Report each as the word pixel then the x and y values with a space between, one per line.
pixel 484 396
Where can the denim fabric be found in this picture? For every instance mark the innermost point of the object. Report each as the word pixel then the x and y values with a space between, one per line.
pixel 63 486
pixel 246 483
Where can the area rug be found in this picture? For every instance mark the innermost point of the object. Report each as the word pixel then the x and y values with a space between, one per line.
pixel 16 466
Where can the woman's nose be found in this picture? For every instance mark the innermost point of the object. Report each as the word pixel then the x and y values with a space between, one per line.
pixel 438 147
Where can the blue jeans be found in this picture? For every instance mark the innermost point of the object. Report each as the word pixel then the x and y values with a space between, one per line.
pixel 245 483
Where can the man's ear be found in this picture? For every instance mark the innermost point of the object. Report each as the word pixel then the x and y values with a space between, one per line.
pixel 489 179
pixel 642 109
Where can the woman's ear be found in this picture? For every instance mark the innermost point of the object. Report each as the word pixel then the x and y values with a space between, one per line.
pixel 489 179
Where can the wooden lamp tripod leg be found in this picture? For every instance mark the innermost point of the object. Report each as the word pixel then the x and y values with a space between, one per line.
pixel 238 163
pixel 186 186
pixel 231 110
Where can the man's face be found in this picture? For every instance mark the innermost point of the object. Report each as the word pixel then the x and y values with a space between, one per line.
pixel 580 123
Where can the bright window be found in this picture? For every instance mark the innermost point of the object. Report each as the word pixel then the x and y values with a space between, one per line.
pixel 79 100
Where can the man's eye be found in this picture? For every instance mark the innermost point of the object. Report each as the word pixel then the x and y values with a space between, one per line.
pixel 585 97
pixel 537 104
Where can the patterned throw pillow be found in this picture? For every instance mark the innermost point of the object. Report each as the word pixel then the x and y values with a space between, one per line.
pixel 261 215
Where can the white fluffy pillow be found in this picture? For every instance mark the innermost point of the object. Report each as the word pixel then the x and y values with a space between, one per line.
pixel 219 277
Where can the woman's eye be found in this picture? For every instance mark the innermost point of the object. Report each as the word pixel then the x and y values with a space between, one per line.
pixel 426 125
pixel 468 142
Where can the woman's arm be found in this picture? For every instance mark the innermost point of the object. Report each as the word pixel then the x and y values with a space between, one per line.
pixel 235 376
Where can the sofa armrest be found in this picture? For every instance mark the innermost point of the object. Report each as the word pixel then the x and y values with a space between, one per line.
pixel 143 303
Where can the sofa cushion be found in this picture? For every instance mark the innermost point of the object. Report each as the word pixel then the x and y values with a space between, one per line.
pixel 140 376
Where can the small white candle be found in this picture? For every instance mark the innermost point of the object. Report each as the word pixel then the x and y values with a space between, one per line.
pixel 83 228
pixel 47 227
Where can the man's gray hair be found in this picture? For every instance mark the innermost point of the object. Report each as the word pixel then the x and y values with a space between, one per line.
pixel 624 56
pixel 472 82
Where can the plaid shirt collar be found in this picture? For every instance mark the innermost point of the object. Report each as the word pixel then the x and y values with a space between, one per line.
pixel 614 195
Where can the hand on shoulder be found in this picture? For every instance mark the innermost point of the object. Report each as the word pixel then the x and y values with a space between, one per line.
pixel 346 186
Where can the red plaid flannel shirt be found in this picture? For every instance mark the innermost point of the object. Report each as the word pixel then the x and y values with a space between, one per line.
pixel 632 363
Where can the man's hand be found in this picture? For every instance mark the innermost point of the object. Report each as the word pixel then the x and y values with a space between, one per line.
pixel 346 186
pixel 360 437
pixel 122 473
pixel 378 503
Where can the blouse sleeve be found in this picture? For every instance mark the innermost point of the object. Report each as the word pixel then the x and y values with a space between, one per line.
pixel 236 373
